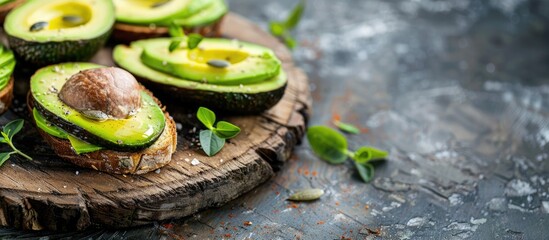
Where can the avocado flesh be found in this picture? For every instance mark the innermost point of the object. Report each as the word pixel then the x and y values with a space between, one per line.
pixel 195 6
pixel 87 29
pixel 133 133
pixel 249 63
pixel 77 144
pixel 7 65
pixel 209 14
pixel 148 11
pixel 249 98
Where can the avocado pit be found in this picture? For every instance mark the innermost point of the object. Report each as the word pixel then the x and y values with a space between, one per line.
pixel 102 93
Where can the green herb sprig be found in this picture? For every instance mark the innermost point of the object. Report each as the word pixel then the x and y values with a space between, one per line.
pixel 331 146
pixel 8 131
pixel 213 139
pixel 178 36
pixel 282 29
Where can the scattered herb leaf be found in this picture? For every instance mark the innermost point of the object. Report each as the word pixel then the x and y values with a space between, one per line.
pixel 328 144
pixel 8 131
pixel 282 29
pixel 213 139
pixel 346 127
pixel 331 146
pixel 194 40
pixel 211 143
pixel 366 171
pixel 206 116
pixel 226 130
pixel 174 44
pixel 307 194
pixel 175 30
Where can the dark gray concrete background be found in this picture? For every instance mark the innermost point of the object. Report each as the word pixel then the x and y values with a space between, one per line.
pixel 456 90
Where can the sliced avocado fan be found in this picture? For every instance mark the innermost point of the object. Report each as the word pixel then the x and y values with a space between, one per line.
pixel 134 133
pixel 223 74
pixel 7 64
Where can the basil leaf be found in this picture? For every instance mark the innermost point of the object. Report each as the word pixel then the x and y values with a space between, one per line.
pixel 346 127
pixel 295 15
pixel 211 143
pixel 4 157
pixel 13 127
pixel 277 28
pixel 174 44
pixel 366 171
pixel 328 144
pixel 206 116
pixel 368 154
pixel 226 130
pixel 175 30
pixel 193 40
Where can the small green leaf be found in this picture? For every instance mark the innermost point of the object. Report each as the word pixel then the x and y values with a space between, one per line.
pixel 295 15
pixel 13 127
pixel 174 44
pixel 328 144
pixel 193 40
pixel 368 154
pixel 346 127
pixel 366 171
pixel 277 28
pixel 3 140
pixel 290 42
pixel 175 30
pixel 211 143
pixel 4 157
pixel 206 116
pixel 226 130
pixel 307 194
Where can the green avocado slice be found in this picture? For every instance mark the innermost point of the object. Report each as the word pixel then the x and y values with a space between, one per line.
pixel 149 11
pixel 249 63
pixel 194 7
pixel 245 98
pixel 7 64
pixel 202 15
pixel 130 134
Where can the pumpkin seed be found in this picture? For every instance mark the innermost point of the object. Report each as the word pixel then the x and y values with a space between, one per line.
pixel 74 19
pixel 159 4
pixel 218 63
pixel 38 26
pixel 95 115
pixel 307 194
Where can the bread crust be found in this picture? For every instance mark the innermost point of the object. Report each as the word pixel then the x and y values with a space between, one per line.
pixel 126 33
pixel 6 8
pixel 154 157
pixel 6 96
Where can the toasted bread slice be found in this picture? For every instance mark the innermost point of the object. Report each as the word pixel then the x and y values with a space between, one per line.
pixel 6 95
pixel 125 33
pixel 156 156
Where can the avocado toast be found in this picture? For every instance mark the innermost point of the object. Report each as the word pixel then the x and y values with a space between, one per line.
pixel 101 118
pixel 148 19
pixel 226 75
pixel 7 65
pixel 53 31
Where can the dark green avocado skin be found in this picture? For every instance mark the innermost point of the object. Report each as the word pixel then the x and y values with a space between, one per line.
pixel 39 54
pixel 83 134
pixel 227 102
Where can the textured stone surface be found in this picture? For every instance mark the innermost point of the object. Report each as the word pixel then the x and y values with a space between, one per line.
pixel 457 90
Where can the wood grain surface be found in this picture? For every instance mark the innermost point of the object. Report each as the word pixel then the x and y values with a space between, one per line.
pixel 48 193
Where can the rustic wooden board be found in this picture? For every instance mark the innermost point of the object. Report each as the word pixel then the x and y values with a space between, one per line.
pixel 49 193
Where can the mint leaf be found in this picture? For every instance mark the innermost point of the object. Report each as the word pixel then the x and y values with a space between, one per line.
pixel 295 15
pixel 328 144
pixel 366 171
pixel 13 127
pixel 4 157
pixel 368 154
pixel 175 30
pixel 226 130
pixel 277 28
pixel 174 44
pixel 193 40
pixel 211 143
pixel 206 116
pixel 346 127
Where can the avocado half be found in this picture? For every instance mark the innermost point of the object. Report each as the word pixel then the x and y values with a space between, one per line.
pixel 261 84
pixel 7 65
pixel 147 19
pixel 47 32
